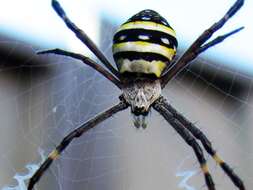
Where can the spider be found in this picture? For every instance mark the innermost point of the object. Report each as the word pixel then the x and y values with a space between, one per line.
pixel 144 48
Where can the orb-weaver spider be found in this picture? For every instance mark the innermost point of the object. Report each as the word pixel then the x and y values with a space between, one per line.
pixel 144 48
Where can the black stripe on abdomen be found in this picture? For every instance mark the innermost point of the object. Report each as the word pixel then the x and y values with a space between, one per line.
pixel 130 35
pixel 147 56
pixel 149 15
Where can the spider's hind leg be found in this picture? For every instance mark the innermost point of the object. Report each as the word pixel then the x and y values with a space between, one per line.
pixel 81 35
pixel 198 134
pixel 202 44
pixel 87 61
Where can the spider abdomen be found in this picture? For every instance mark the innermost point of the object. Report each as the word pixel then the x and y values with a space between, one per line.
pixel 144 44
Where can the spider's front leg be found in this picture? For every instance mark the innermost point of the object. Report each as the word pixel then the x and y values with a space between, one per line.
pixel 74 134
pixel 198 134
pixel 189 139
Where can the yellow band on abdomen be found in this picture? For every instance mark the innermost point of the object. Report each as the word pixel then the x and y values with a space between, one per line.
pixel 149 26
pixel 140 46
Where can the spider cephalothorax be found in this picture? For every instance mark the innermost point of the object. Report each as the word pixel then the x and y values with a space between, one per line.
pixel 141 93
pixel 143 49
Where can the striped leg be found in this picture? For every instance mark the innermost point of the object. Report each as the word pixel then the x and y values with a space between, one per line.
pixel 83 37
pixel 197 133
pixel 189 139
pixel 74 134
pixel 87 61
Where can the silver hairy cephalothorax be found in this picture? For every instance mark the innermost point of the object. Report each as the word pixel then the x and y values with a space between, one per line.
pixel 140 95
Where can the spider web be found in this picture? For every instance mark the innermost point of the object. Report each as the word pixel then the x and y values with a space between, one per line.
pixel 46 97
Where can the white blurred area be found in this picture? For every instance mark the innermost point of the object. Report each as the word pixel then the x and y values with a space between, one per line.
pixel 42 98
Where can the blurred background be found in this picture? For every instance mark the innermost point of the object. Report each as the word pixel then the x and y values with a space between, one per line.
pixel 43 98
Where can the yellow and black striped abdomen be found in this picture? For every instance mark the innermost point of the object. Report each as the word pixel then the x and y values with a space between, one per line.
pixel 144 44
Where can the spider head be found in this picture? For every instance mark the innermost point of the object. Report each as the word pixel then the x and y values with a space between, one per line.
pixel 140 94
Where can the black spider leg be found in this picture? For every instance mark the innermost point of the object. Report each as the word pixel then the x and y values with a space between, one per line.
pixel 87 61
pixel 198 134
pixel 199 45
pixel 74 134
pixel 188 137
pixel 83 37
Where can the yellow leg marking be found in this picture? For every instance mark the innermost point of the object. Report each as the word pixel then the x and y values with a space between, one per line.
pixel 217 159
pixel 204 168
pixel 54 154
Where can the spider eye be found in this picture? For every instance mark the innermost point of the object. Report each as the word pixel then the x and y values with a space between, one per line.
pixel 145 43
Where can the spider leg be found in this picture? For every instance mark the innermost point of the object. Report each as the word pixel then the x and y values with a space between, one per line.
pixel 217 40
pixel 196 48
pixel 83 37
pixel 87 61
pixel 198 134
pixel 74 134
pixel 189 139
